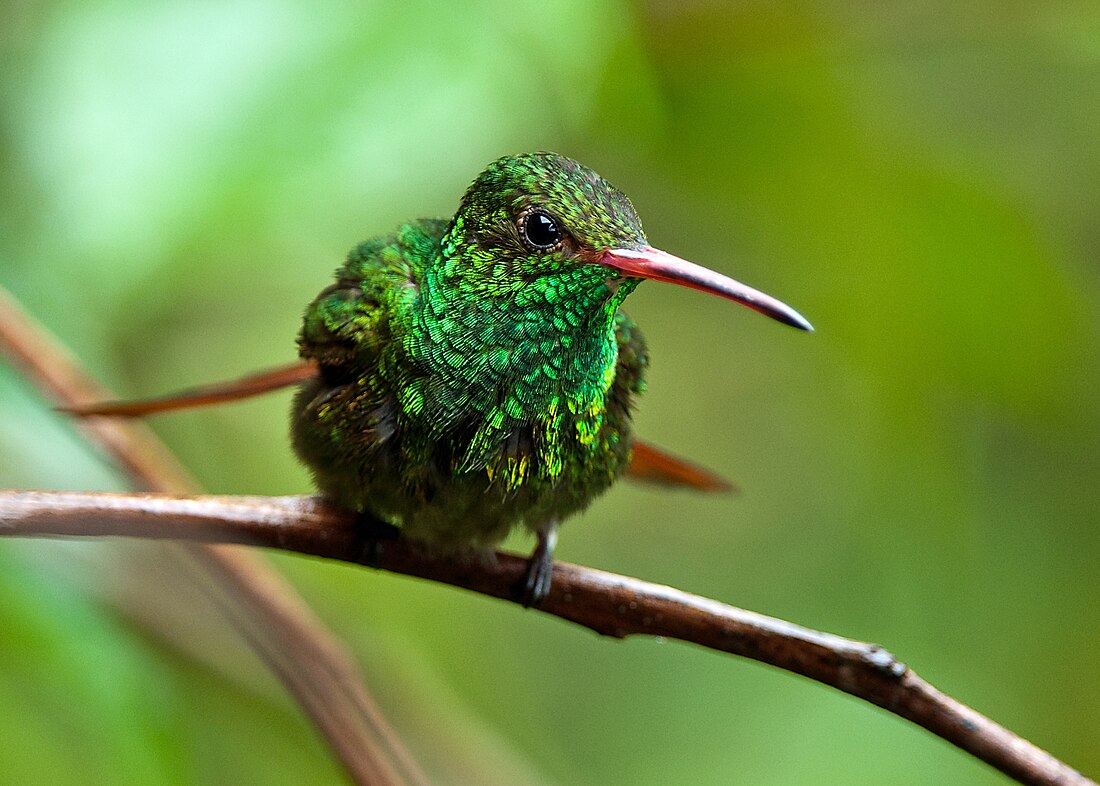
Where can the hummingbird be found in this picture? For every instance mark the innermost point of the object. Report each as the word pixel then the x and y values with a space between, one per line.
pixel 464 377
pixel 478 374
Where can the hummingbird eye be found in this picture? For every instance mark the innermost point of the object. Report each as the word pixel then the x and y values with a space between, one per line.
pixel 540 231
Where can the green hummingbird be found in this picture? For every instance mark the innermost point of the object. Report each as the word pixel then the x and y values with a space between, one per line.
pixel 461 378
pixel 477 374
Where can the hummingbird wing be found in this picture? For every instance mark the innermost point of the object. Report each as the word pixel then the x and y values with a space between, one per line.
pixel 244 387
pixel 345 319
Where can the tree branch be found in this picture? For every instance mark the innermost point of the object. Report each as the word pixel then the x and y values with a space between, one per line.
pixel 613 605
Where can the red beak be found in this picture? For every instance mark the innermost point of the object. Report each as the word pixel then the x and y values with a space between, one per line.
pixel 658 265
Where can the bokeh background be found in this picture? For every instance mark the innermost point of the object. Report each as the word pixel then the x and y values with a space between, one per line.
pixel 919 179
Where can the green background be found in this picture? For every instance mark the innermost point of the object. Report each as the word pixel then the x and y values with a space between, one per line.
pixel 179 179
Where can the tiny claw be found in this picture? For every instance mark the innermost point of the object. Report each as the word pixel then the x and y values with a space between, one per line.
pixel 371 535
pixel 535 585
pixel 537 579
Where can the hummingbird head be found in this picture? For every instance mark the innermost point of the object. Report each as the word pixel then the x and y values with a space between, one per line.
pixel 541 219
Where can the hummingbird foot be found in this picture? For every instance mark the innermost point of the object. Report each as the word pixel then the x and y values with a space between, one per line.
pixel 540 568
pixel 371 535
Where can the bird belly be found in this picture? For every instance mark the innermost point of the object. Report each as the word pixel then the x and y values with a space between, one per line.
pixel 366 458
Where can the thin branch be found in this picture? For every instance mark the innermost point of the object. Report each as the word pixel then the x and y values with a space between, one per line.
pixel 311 662
pixel 609 604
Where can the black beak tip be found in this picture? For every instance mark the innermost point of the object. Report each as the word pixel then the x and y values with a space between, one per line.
pixel 800 322
pixel 788 316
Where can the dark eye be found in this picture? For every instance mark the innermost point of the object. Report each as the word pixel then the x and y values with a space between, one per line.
pixel 540 231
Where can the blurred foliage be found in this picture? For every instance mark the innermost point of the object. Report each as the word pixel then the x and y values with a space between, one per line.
pixel 919 179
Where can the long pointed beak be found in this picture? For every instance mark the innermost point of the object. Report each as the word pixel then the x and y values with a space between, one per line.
pixel 659 265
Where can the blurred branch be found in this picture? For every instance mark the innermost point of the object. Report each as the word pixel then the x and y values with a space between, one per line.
pixel 609 604
pixel 264 609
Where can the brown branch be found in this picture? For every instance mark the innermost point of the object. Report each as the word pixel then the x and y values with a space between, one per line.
pixel 609 604
pixel 266 611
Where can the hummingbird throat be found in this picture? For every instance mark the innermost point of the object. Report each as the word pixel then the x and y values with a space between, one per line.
pixel 528 363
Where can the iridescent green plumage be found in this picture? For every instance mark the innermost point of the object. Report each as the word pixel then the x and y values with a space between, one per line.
pixel 475 376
